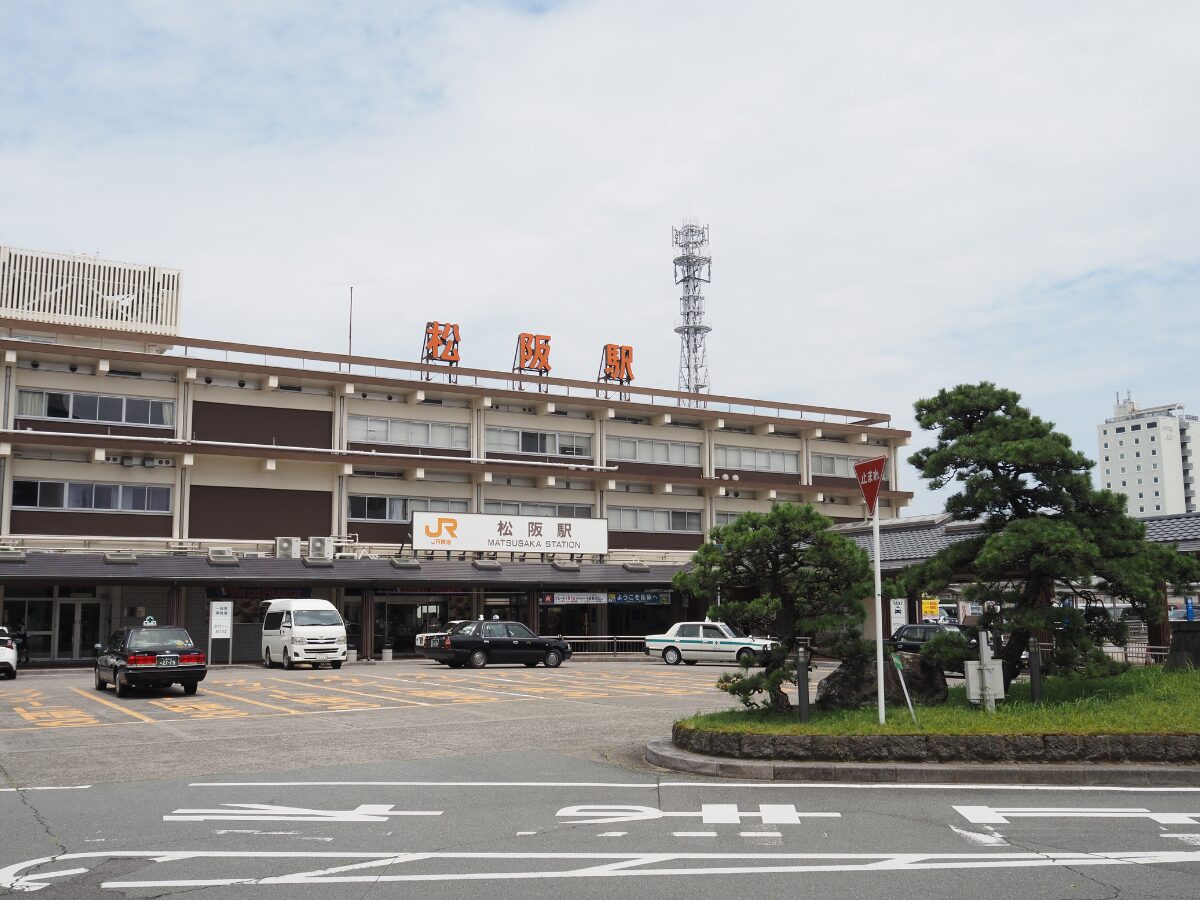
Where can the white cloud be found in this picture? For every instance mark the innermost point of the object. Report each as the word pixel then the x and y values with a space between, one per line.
pixel 927 175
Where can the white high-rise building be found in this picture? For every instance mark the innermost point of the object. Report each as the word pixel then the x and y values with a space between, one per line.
pixel 1146 455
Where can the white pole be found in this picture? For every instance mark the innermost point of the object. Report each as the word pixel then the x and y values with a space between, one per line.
pixel 878 616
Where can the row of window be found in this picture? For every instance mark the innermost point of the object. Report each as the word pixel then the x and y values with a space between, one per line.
pixel 551 510
pixel 640 450
pixel 95 408
pixel 86 495
pixel 842 466
pixel 658 520
pixel 545 443
pixel 373 429
pixel 399 509
pixel 756 460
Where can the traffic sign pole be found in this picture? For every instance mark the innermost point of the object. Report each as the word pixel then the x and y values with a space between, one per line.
pixel 870 478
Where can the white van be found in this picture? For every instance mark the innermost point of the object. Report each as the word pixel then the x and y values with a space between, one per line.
pixel 308 631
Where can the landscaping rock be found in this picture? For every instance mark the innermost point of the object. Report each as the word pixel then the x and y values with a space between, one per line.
pixel 853 685
pixel 908 748
pixel 794 746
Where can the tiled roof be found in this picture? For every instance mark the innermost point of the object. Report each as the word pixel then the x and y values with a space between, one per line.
pixel 57 567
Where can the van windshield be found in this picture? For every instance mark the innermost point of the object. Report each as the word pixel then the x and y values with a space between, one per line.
pixel 303 617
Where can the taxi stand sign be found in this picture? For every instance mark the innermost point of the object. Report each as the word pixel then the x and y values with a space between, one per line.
pixel 220 625
pixel 869 473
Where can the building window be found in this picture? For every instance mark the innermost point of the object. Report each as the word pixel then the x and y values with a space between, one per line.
pixel 748 459
pixel 86 495
pixel 1137 454
pixel 1137 440
pixel 1121 443
pixel 1108 484
pixel 1141 509
pixel 1154 480
pixel 1122 456
pixel 1106 457
pixel 666 452
pixel 1157 507
pixel 843 466
pixel 399 509
pixel 1152 437
pixel 543 443
pixel 1154 452
pixel 1108 471
pixel 552 510
pixel 95 408
pixel 1156 493
pixel 407 433
pixel 1106 445
pixel 659 520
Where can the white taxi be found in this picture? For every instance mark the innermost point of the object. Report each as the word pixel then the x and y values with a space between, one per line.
pixel 693 642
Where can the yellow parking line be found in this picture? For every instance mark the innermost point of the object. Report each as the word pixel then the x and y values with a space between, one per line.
pixel 325 687
pixel 282 709
pixel 118 707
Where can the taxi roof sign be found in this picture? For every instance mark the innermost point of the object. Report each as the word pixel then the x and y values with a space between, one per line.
pixel 149 622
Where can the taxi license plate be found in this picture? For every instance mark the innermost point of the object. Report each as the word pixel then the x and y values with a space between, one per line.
pixel 167 661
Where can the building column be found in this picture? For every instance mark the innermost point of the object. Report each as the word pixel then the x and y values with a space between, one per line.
pixel 367 624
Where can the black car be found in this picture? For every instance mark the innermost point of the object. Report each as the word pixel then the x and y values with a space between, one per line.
pixel 150 656
pixel 476 644
pixel 910 638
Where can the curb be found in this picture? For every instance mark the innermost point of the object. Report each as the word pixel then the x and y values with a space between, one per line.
pixel 666 755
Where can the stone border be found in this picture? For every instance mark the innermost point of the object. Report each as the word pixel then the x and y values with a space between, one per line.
pixel 1050 748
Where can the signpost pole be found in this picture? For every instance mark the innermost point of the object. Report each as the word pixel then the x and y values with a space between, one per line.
pixel 878 614
pixel 869 473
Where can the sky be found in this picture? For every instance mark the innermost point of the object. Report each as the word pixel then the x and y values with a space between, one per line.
pixel 902 197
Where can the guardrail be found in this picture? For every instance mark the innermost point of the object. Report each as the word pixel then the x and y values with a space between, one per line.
pixel 606 645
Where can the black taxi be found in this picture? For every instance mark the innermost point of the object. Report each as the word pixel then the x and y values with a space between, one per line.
pixel 476 644
pixel 150 655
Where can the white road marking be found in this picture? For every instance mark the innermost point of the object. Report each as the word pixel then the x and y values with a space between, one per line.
pixel 612 834
pixel 251 831
pixel 263 812
pixel 65 787
pixel 1187 837
pixel 589 865
pixel 693 833
pixel 980 840
pixel 709 814
pixel 760 834
pixel 771 785
pixel 986 815
pixel 525 833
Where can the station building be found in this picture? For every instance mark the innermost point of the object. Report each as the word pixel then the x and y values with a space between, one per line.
pixel 148 473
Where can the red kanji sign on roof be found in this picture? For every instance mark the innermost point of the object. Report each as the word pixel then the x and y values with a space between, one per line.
pixel 870 476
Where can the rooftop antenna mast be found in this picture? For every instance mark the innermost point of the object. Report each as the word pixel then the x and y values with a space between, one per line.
pixel 692 269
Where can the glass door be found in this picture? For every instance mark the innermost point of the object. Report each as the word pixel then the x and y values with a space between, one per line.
pixel 78 628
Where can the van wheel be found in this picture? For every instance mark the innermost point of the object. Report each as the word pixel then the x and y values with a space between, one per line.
pixel 477 660
pixel 671 656
pixel 287 660
pixel 267 658
pixel 336 664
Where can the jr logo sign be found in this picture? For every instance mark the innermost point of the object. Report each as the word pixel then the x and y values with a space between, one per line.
pixel 443 526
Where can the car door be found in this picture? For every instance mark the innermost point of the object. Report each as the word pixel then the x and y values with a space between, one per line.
pixel 498 644
pixel 908 639
pixel 529 647
pixel 713 644
pixel 688 642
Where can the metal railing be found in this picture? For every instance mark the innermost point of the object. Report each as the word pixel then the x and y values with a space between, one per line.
pixel 606 645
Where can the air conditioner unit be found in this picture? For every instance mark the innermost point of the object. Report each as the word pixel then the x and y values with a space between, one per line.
pixel 164 461
pixel 256 554
pixel 320 548
pixel 287 548
pixel 127 461
pixel 220 552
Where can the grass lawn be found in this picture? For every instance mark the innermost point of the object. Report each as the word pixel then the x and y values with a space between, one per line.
pixel 1140 701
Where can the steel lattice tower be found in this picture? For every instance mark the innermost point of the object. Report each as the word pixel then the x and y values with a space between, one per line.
pixel 692 269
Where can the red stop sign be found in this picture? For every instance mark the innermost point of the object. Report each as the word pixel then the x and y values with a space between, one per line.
pixel 870 477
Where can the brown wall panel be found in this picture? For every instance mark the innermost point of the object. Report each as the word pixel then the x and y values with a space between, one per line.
pixel 70 425
pixel 648 540
pixel 534 457
pixel 664 473
pixel 779 479
pixel 838 481
pixel 35 521
pixel 258 514
pixel 262 425
pixel 381 532
pixel 396 448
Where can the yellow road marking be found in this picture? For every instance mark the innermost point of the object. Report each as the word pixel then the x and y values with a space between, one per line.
pixel 117 706
pixel 282 709
pixel 326 687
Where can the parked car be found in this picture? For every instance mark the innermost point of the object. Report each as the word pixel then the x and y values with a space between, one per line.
pixel 310 631
pixel 8 654
pixel 693 642
pixel 910 638
pixel 430 638
pixel 150 655
pixel 477 644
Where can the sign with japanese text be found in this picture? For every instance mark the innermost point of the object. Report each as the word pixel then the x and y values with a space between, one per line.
pixel 574 599
pixel 616 363
pixel 930 608
pixel 220 619
pixel 441 342
pixel 869 473
pixel 532 354
pixel 508 534
pixel 899 616
pixel 641 598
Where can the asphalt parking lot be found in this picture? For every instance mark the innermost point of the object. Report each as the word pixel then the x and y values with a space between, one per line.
pixel 55 727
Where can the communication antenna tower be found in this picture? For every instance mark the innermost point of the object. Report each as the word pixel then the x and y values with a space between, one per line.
pixel 692 269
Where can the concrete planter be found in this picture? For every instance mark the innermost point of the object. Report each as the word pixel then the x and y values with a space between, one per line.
pixel 967 748
pixel 386 654
pixel 351 655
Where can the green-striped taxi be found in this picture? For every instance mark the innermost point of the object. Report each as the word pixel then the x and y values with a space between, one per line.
pixel 693 642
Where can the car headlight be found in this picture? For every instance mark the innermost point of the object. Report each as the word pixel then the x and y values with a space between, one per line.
pixel 298 640
pixel 341 642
